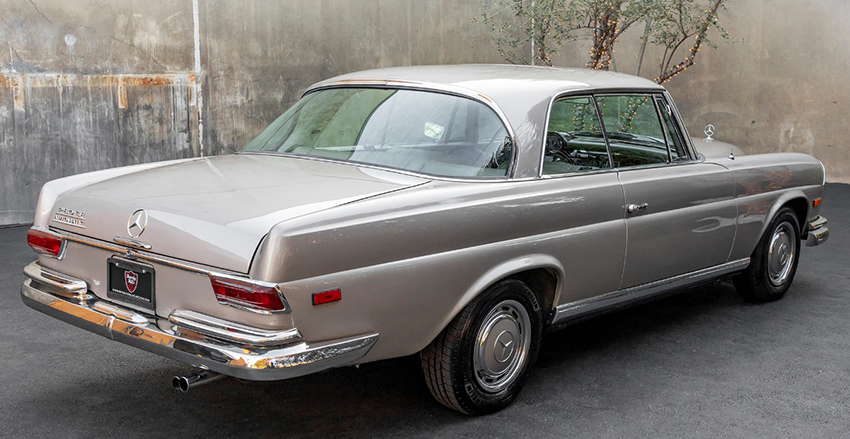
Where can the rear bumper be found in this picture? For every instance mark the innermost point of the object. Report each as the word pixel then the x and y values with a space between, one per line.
pixel 816 231
pixel 193 338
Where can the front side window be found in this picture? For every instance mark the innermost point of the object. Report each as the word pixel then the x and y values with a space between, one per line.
pixel 634 131
pixel 574 140
pixel 419 131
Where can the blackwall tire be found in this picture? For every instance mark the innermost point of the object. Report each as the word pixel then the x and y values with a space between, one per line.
pixel 774 261
pixel 481 360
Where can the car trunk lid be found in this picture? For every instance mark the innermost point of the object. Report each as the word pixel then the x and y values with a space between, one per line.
pixel 215 210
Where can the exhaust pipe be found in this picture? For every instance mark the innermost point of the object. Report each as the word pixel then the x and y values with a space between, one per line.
pixel 185 382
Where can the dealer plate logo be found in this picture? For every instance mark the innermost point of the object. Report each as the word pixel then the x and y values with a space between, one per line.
pixel 131 281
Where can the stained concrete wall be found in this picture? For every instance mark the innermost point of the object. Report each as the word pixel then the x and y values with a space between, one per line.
pixel 95 84
pixel 91 85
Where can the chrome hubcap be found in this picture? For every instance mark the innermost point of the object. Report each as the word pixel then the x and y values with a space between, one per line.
pixel 502 346
pixel 781 253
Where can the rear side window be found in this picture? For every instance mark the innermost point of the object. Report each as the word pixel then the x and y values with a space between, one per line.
pixel 635 134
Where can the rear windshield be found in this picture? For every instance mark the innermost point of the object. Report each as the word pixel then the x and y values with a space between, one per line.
pixel 419 131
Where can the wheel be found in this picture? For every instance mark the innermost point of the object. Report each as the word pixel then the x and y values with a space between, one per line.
pixel 480 362
pixel 774 261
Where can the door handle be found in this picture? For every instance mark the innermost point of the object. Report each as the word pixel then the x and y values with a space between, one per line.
pixel 632 208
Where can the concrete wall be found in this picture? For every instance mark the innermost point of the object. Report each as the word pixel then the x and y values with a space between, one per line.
pixel 92 84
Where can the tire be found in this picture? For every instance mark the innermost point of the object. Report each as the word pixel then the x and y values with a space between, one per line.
pixel 774 261
pixel 479 378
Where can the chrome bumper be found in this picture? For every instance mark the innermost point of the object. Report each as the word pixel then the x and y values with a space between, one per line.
pixel 816 231
pixel 197 339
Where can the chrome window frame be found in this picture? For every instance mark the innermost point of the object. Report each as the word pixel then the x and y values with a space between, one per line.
pixel 602 92
pixel 680 124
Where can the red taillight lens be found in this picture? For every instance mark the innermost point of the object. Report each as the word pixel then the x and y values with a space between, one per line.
pixel 246 294
pixel 44 242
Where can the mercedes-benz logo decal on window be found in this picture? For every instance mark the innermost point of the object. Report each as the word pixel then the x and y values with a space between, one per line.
pixel 137 223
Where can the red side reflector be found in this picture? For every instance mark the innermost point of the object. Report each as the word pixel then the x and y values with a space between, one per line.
pixel 327 296
pixel 246 294
pixel 817 202
pixel 44 242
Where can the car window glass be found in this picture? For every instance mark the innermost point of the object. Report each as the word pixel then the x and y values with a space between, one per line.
pixel 677 147
pixel 635 134
pixel 574 140
pixel 419 131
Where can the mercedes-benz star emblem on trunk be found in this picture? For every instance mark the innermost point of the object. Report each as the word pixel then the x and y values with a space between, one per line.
pixel 137 223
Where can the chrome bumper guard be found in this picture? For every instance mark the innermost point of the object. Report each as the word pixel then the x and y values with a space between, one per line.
pixel 190 337
pixel 816 232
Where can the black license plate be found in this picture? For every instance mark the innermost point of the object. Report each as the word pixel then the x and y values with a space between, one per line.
pixel 131 283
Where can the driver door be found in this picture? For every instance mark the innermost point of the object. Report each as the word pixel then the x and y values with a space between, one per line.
pixel 679 212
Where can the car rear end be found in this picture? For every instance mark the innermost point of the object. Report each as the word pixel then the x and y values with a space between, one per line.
pixel 175 282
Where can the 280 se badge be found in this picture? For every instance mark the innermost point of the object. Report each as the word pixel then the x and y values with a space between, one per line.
pixel 453 211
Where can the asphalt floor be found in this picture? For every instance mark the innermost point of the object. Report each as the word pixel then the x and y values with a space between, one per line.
pixel 696 365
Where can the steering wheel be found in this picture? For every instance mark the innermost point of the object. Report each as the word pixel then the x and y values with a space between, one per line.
pixel 557 146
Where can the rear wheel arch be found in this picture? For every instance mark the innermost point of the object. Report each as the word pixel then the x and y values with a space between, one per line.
pixel 544 283
pixel 542 274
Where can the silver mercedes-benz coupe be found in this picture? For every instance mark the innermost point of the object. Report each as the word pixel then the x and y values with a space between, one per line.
pixel 452 211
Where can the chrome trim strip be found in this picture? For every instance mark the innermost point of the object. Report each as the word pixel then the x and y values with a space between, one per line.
pixel 179 264
pixel 55 279
pixel 132 243
pixel 164 260
pixel 234 359
pixel 226 330
pixel 606 302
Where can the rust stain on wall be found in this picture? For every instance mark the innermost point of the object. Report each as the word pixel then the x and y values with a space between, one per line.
pixel 56 124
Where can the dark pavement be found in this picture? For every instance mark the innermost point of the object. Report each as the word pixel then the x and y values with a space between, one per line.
pixel 700 364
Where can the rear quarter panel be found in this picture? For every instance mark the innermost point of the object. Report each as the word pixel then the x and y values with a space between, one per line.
pixel 408 262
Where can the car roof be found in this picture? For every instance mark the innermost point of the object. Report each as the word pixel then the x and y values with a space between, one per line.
pixel 498 80
pixel 521 94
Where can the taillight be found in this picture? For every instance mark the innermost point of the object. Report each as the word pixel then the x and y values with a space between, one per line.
pixel 246 294
pixel 44 242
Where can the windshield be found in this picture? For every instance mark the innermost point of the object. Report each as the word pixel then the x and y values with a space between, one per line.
pixel 419 131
